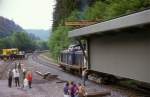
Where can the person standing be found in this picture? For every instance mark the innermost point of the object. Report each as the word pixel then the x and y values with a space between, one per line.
pixel 10 76
pixel 66 90
pixel 29 78
pixel 15 65
pixel 16 76
pixel 81 90
pixel 21 77
pixel 73 89
pixel 84 76
pixel 24 73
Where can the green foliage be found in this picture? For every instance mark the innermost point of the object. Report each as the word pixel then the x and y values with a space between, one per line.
pixel 59 41
pixel 145 3
pixel 63 9
pixel 117 8
pixel 96 11
pixel 109 9
pixel 129 83
pixel 20 40
pixel 6 42
pixel 42 45
pixel 74 16
pixel 1 44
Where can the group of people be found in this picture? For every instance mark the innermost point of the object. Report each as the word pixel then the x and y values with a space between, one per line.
pixel 20 75
pixel 74 90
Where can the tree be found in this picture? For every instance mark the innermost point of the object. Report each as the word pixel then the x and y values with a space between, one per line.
pixel 97 11
pixel 22 41
pixel 59 41
pixel 6 43
pixel 62 11
pixel 42 45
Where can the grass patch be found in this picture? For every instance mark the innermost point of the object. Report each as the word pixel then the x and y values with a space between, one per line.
pixel 128 83
pixel 48 56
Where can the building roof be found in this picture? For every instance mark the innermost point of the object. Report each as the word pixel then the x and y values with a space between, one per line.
pixel 136 19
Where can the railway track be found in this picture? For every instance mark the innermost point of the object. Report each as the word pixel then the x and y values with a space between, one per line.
pixel 45 63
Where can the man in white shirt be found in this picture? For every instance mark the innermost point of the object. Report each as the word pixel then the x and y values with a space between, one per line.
pixel 16 76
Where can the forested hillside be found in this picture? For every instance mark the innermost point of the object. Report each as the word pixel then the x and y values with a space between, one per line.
pixel 7 27
pixel 40 33
pixel 13 36
pixel 99 10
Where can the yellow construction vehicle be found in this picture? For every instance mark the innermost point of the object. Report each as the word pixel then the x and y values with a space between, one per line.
pixel 8 52
pixel 12 53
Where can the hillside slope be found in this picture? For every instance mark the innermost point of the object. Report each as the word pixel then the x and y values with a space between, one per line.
pixel 7 27
pixel 42 34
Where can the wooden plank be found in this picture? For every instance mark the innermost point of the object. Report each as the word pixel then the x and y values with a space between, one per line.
pixel 80 23
pixel 98 94
pixel 70 66
pixel 61 81
pixel 39 73
pixel 45 75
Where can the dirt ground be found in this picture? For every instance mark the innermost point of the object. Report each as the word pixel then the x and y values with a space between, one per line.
pixel 50 88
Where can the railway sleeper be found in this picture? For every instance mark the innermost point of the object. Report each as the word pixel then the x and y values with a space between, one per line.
pixel 98 94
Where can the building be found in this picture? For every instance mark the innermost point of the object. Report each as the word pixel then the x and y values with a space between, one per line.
pixel 120 46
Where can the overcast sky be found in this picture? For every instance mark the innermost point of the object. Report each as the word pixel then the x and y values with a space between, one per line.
pixel 29 14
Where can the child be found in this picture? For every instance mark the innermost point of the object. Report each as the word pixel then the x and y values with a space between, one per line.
pixel 25 83
pixel 29 78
